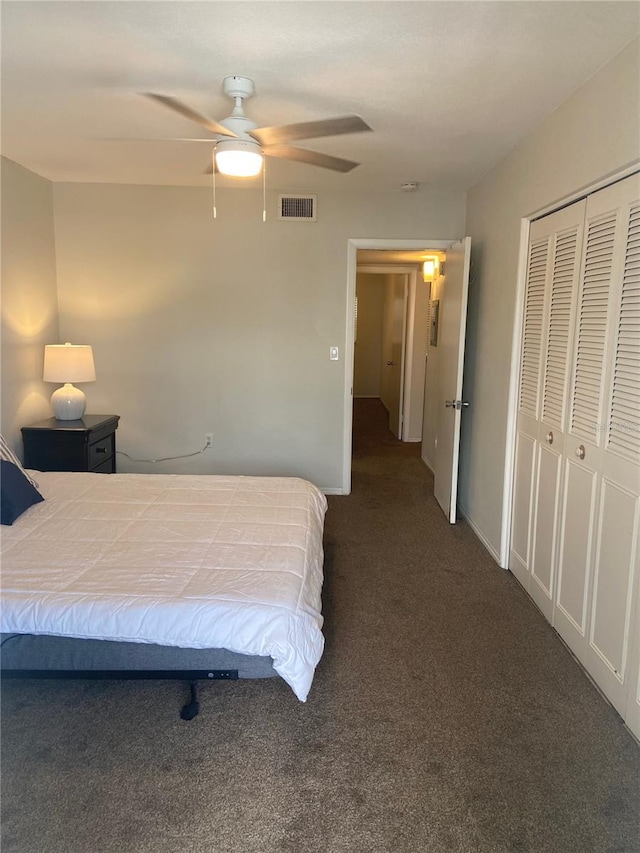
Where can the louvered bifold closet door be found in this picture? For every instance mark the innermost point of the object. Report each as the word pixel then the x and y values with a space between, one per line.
pixel 599 512
pixel 622 451
pixel 552 269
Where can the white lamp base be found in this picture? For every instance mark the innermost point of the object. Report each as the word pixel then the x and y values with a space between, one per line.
pixel 68 403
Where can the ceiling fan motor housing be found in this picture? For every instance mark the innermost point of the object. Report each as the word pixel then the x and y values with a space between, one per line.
pixel 238 87
pixel 238 145
pixel 239 124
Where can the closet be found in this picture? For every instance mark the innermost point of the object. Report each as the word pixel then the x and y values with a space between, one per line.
pixel 576 506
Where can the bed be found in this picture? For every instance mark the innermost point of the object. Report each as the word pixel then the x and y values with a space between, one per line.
pixel 160 575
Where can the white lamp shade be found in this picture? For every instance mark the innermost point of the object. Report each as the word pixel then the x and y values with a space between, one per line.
pixel 68 363
pixel 238 158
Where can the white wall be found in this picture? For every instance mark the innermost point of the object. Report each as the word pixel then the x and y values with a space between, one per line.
pixel 222 326
pixel 592 134
pixel 368 348
pixel 29 299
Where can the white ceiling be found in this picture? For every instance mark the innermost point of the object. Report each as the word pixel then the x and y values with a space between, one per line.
pixel 449 87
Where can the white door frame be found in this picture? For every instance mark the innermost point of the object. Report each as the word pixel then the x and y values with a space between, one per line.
pixel 518 320
pixel 352 262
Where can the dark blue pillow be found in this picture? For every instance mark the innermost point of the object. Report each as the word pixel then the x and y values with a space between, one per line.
pixel 17 492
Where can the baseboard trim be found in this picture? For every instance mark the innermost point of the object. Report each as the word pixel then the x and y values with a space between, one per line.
pixel 481 536
pixel 427 464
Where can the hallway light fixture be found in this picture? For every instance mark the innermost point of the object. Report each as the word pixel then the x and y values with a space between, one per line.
pixel 428 270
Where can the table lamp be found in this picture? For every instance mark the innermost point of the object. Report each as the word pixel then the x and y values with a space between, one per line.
pixel 68 363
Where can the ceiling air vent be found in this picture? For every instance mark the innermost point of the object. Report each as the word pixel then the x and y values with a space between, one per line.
pixel 296 207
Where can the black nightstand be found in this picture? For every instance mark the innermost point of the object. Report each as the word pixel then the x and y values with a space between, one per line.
pixel 88 444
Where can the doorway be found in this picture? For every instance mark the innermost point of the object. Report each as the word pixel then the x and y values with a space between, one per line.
pixel 389 253
pixel 448 402
pixel 380 345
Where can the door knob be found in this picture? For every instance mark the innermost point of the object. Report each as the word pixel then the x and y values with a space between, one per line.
pixel 550 437
pixel 389 364
pixel 580 451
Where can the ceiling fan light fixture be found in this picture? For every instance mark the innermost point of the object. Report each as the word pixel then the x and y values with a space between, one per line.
pixel 238 158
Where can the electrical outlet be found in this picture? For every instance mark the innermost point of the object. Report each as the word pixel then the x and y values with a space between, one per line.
pixel 208 439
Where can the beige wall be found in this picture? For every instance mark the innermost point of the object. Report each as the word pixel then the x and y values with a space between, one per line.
pixel 29 300
pixel 368 348
pixel 592 134
pixel 222 326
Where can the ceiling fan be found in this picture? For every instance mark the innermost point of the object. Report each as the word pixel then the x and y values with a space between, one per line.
pixel 240 144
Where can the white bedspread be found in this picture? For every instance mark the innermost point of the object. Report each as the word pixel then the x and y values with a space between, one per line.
pixel 178 560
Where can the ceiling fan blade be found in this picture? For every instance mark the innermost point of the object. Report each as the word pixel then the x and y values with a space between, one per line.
pixel 309 130
pixel 210 140
pixel 313 158
pixel 187 112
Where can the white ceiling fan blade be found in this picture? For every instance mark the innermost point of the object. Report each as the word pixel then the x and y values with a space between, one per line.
pixel 210 139
pixel 309 130
pixel 187 112
pixel 312 158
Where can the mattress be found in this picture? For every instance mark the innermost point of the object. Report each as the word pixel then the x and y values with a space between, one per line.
pixel 192 561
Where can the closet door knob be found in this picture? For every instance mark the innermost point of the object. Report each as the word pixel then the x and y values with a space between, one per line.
pixel 580 451
pixel 550 437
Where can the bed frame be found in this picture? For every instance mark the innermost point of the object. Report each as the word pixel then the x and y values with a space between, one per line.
pixel 43 656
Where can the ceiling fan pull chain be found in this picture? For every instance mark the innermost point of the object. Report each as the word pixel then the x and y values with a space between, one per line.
pixel 213 177
pixel 264 189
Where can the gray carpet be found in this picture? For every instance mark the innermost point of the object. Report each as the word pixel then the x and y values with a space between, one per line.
pixel 445 715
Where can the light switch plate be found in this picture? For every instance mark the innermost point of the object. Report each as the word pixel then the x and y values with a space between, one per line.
pixel 334 353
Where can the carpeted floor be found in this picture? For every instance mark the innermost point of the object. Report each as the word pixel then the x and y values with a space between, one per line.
pixel 446 715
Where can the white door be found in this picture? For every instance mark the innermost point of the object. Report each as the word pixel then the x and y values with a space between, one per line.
pixel 608 441
pixel 451 341
pixel 631 715
pixel 394 331
pixel 552 279
pixel 576 512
